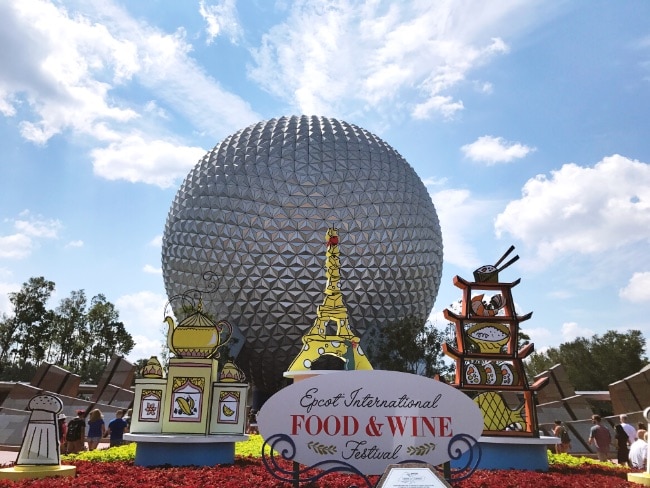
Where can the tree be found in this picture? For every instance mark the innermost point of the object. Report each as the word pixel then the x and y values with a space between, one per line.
pixel 593 364
pixel 7 335
pixel 109 336
pixel 80 340
pixel 32 320
pixel 70 332
pixel 409 345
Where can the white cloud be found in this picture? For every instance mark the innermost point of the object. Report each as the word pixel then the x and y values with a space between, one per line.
pixel 5 288
pixel 156 241
pixel 153 108
pixel 142 314
pixel 29 231
pixel 221 17
pixel 77 243
pixel 461 218
pixel 37 226
pixel 571 331
pixel 540 335
pixel 582 210
pixel 16 246
pixel 149 269
pixel 484 87
pixel 155 162
pixel 560 294
pixel 637 289
pixel 323 59
pixel 61 67
pixel 492 150
pixel 145 347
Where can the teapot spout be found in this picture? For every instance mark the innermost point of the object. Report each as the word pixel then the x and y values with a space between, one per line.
pixel 170 333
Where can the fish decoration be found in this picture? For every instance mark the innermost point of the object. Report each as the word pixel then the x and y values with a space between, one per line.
pixel 496 413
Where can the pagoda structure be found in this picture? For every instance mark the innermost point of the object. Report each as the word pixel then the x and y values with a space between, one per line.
pixel 489 361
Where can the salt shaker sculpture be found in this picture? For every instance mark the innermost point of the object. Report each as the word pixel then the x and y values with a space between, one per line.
pixel 41 442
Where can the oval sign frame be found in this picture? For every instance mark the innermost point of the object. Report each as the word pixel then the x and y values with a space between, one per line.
pixel 370 419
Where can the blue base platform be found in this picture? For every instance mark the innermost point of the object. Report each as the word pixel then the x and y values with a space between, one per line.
pixel 184 450
pixel 525 453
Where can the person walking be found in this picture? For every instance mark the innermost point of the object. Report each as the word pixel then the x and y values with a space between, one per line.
pixel 622 443
pixel 127 418
pixel 600 437
pixel 96 428
pixel 639 450
pixel 63 430
pixel 75 437
pixel 565 441
pixel 252 422
pixel 116 428
pixel 629 429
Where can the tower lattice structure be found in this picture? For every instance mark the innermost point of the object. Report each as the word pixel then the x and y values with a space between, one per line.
pixel 320 340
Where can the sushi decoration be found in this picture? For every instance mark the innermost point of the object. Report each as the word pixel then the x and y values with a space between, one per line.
pixel 509 375
pixel 492 373
pixel 475 374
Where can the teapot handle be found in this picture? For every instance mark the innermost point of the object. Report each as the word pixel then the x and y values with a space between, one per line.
pixel 221 325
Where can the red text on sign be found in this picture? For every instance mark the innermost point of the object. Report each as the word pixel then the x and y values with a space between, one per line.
pixel 420 426
pixel 330 425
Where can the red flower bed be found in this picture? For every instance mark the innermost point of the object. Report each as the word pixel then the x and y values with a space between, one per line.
pixel 251 473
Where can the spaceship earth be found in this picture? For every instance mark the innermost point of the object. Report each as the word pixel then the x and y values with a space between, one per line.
pixel 254 211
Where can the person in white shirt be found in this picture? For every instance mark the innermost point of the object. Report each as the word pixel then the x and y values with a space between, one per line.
pixel 639 450
pixel 629 430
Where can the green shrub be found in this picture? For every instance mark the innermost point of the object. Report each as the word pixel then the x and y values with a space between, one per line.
pixel 253 448
pixel 571 460
pixel 250 448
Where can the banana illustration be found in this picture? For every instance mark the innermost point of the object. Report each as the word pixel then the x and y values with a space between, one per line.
pixel 185 405
pixel 227 411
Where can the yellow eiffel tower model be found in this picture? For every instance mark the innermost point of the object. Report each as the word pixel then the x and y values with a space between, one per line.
pixel 343 344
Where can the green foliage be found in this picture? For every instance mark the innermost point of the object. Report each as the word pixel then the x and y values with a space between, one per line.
pixel 592 364
pixel 121 453
pixel 409 345
pixel 253 448
pixel 79 339
pixel 571 460
pixel 250 448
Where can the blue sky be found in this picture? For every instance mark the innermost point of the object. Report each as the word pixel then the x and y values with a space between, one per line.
pixel 527 121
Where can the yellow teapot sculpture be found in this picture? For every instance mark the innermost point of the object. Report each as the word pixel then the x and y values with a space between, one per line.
pixel 197 336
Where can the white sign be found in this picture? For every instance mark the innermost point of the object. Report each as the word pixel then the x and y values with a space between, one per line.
pixel 370 419
pixel 410 475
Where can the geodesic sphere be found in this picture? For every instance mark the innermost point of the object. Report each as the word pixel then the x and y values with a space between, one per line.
pixel 254 211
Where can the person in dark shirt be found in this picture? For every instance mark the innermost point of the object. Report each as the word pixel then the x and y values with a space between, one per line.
pixel 116 428
pixel 76 433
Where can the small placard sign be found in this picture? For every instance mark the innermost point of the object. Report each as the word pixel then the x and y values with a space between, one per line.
pixel 412 475
pixel 370 419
